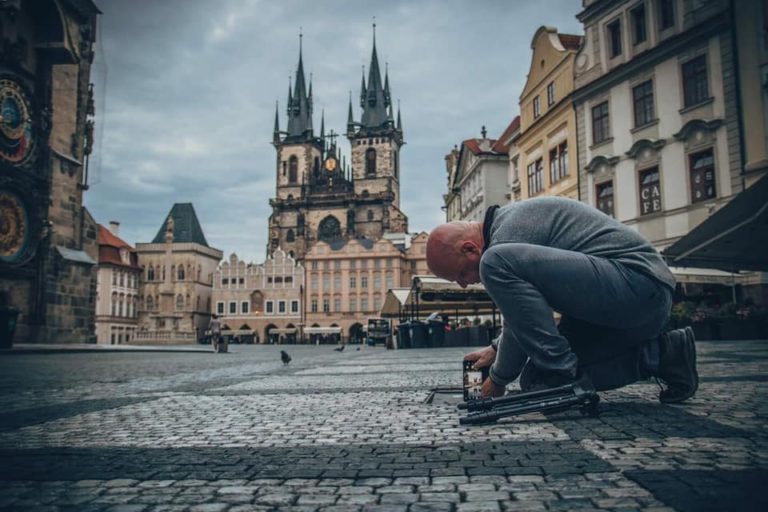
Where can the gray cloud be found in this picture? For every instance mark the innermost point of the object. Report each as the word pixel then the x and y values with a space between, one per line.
pixel 186 93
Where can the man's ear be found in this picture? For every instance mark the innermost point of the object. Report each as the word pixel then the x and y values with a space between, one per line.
pixel 469 247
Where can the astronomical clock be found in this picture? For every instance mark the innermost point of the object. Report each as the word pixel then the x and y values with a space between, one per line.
pixel 19 183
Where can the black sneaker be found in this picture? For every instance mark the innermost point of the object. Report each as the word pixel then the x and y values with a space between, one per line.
pixel 677 366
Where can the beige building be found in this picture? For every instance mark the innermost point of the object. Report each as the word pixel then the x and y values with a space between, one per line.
pixel 346 281
pixel 260 303
pixel 117 288
pixel 175 292
pixel 547 140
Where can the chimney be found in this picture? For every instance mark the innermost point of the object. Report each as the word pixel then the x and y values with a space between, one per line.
pixel 114 227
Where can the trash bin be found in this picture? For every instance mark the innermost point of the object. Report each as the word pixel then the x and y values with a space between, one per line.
pixel 419 334
pixel 404 335
pixel 436 333
pixel 8 318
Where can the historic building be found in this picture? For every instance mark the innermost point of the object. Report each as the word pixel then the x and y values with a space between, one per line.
pixel 547 140
pixel 319 196
pixel 347 280
pixel 477 178
pixel 657 107
pixel 175 290
pixel 48 245
pixel 260 303
pixel 117 288
pixel 509 140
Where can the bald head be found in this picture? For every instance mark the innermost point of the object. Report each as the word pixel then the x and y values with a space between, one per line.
pixel 448 246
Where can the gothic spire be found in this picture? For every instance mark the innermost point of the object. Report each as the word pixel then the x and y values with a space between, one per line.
pixel 322 128
pixel 300 104
pixel 375 105
pixel 350 118
pixel 276 132
pixel 362 89
pixel 399 123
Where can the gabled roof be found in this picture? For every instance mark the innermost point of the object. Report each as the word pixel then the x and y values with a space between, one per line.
pixel 474 146
pixel 109 249
pixel 186 227
pixel 502 145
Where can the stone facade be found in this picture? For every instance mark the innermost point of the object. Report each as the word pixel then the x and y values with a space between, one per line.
pixel 319 196
pixel 117 288
pixel 48 246
pixel 547 140
pixel 260 303
pixel 177 281
pixel 347 281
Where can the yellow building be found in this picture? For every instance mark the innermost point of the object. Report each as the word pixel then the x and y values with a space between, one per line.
pixel 547 141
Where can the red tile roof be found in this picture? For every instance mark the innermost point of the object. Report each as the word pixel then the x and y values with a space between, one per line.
pixel 474 146
pixel 571 41
pixel 109 249
pixel 502 145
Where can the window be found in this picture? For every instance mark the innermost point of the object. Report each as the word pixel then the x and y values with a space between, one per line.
pixel 377 303
pixel 604 194
pixel 293 170
pixel 313 305
pixel 151 274
pixel 180 273
pixel 389 263
pixel 614 38
pixel 352 282
pixel 535 181
pixel 364 282
pixel 352 304
pixel 224 281
pixel 289 279
pixel 558 162
pixel 179 302
pixel 639 32
pixel 337 282
pixel 370 162
pixel 326 306
pixel 151 304
pixel 313 281
pixel 352 264
pixel 364 303
pixel 363 263
pixel 666 14
pixel 695 88
pixel 376 281
pixel 702 169
pixel 390 281
pixel 289 236
pixel 370 215
pixel 270 307
pixel 122 279
pixel 281 306
pixel 536 107
pixel 650 191
pixel 642 97
pixel 314 265
pixel 219 307
pixel 337 304
pixel 114 278
pixel 601 128
pixel 326 281
pixel 294 306
pixel 377 263
pixel 232 307
pixel 245 307
pixel 551 94
pixel 337 265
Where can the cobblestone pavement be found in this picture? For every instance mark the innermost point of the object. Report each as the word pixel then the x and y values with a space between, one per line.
pixel 138 432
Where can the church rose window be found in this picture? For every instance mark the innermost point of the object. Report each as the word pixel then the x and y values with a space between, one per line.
pixel 329 229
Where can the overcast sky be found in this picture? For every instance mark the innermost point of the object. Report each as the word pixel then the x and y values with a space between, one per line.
pixel 186 93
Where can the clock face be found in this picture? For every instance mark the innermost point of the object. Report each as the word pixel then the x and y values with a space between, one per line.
pixel 14 227
pixel 16 139
pixel 330 164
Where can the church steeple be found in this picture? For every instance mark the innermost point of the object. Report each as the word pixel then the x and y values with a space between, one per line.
pixel 375 105
pixel 300 105
pixel 276 132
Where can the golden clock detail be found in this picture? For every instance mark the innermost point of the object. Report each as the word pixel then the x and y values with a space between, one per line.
pixel 16 134
pixel 14 226
pixel 330 164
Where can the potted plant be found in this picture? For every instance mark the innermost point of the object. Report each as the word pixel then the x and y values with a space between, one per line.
pixel 8 317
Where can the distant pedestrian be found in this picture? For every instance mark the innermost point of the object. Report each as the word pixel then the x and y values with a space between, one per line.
pixel 215 329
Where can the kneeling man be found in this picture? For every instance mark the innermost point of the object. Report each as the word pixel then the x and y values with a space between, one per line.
pixel 610 286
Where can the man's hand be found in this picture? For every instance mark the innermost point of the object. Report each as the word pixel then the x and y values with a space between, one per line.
pixel 482 358
pixel 490 388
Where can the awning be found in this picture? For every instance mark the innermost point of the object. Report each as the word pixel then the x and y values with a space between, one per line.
pixel 322 330
pixel 431 294
pixel 733 238
pixel 286 330
pixel 707 276
pixel 237 332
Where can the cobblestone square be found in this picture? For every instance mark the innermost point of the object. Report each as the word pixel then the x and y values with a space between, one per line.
pixel 345 431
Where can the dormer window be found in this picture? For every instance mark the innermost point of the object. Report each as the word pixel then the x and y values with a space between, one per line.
pixel 125 256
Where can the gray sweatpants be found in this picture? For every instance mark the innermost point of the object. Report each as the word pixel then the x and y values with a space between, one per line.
pixel 620 307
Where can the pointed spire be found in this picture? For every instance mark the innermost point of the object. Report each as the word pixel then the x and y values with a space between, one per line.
pixel 300 103
pixel 276 132
pixel 322 128
pixel 375 102
pixel 399 124
pixel 290 96
pixel 362 89
pixel 386 84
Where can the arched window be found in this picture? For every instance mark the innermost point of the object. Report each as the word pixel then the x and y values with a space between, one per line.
pixel 163 272
pixel 189 300
pixel 290 237
pixel 329 229
pixel 180 273
pixel 150 303
pixel 293 170
pixel 114 304
pixel 150 273
pixel 370 215
pixel 179 302
pixel 370 162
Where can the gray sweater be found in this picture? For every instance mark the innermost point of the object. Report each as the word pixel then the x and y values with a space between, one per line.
pixel 570 225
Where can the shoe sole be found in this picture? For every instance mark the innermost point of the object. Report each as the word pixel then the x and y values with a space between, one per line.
pixel 690 348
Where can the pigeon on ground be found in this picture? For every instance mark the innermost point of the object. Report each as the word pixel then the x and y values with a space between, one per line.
pixel 340 349
pixel 285 357
pixel 358 348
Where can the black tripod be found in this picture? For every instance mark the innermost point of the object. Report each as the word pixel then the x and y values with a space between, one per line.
pixel 487 410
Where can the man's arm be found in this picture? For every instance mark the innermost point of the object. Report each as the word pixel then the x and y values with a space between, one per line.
pixel 510 358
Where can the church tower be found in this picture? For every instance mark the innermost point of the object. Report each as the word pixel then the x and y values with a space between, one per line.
pixel 376 142
pixel 299 155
